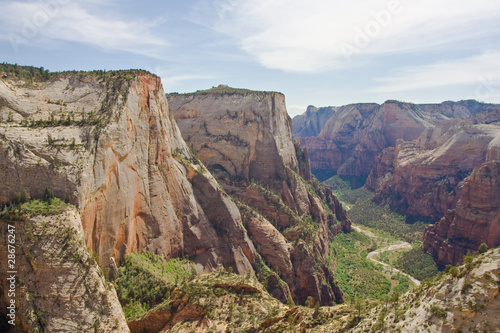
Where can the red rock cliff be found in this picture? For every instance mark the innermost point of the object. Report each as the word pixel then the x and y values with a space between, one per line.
pixel 346 140
pixel 108 143
pixel 475 220
pixel 425 177
pixel 245 139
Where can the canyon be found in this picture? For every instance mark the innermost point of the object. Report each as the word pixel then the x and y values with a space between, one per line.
pixel 439 177
pixel 417 159
pixel 99 167
pixel 107 143
pixel 346 140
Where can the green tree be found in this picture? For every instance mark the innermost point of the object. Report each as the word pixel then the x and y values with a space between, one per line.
pixel 483 248
pixel 48 196
pixel 289 301
pixel 317 309
pixel 309 302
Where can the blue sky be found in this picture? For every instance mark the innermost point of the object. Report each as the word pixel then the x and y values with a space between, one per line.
pixel 317 52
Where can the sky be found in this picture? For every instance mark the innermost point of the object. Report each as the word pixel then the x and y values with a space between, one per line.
pixel 316 52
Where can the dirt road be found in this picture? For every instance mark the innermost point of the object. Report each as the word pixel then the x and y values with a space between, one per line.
pixel 394 246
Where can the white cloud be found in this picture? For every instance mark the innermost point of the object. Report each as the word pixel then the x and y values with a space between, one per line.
pixel 465 71
pixel 294 109
pixel 175 78
pixel 312 36
pixel 29 22
pixel 171 82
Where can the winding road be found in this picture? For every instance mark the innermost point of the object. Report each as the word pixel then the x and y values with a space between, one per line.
pixel 397 245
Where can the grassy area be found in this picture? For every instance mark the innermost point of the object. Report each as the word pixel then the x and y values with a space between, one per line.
pixel 418 264
pixel 356 274
pixel 367 212
pixel 145 281
pixel 387 225
pixel 22 206
pixel 362 210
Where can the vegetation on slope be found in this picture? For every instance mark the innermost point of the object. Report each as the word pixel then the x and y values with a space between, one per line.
pixel 144 281
pixel 223 89
pixel 461 298
pixel 22 205
pixel 383 221
pixel 31 74
pixel 357 276
pixel 225 302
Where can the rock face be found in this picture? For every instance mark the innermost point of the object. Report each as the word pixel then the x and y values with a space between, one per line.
pixel 59 286
pixel 346 140
pixel 312 121
pixel 425 177
pixel 245 135
pixel 466 302
pixel 108 143
pixel 245 140
pixel 475 220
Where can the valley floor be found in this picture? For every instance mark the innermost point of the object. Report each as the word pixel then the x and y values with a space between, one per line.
pixel 395 246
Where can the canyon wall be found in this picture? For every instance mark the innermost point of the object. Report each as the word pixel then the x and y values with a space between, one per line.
pixel 449 174
pixel 475 220
pixel 107 143
pixel 59 286
pixel 425 177
pixel 352 136
pixel 245 140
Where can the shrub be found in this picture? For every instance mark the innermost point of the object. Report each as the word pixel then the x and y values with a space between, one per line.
pixel 309 302
pixel 438 312
pixel 21 197
pixel 48 195
pixel 33 207
pixel 452 270
pixel 418 264
pixel 145 281
pixel 483 248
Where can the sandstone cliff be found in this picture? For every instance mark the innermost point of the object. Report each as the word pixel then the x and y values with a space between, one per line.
pixel 245 140
pixel 348 141
pixel 108 143
pixel 425 177
pixel 59 285
pixel 475 220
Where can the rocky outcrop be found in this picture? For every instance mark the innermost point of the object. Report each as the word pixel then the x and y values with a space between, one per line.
pixel 59 286
pixel 215 302
pixel 352 136
pixel 245 135
pixel 465 301
pixel 475 220
pixel 424 177
pixel 245 140
pixel 108 143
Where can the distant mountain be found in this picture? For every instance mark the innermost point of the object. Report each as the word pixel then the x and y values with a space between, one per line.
pixel 346 140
